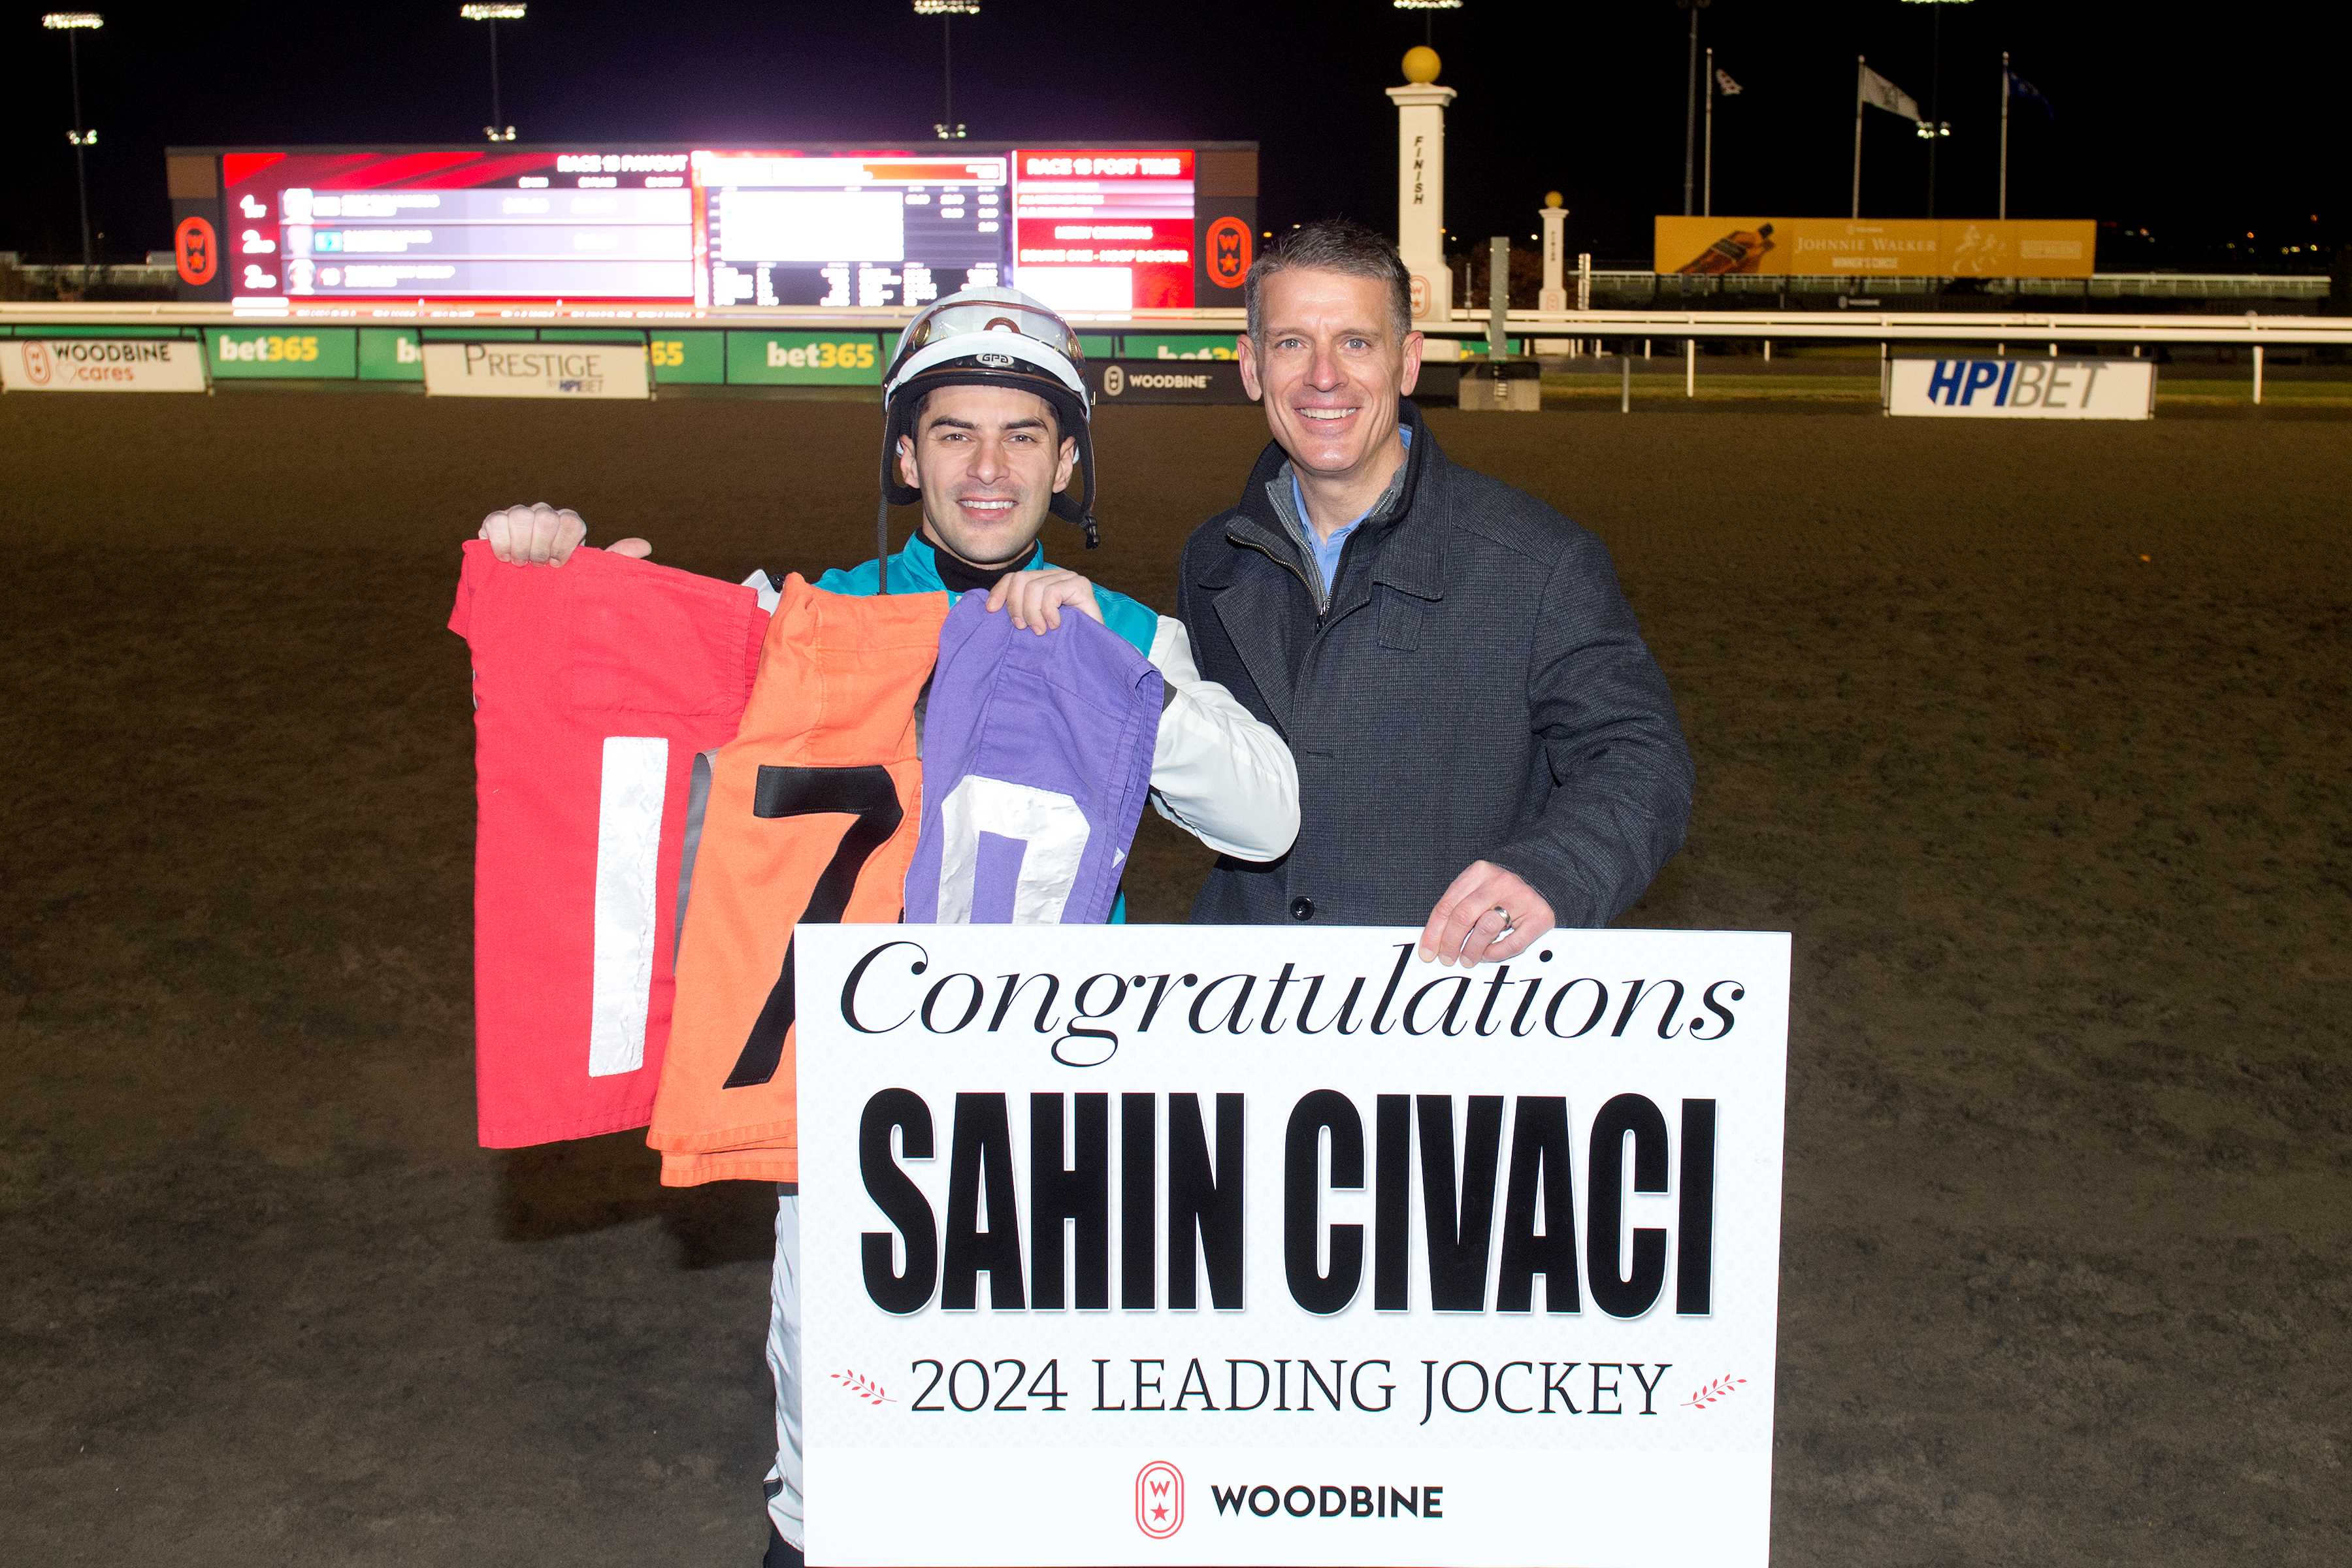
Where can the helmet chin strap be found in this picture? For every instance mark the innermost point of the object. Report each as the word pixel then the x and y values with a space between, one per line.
pixel 882 542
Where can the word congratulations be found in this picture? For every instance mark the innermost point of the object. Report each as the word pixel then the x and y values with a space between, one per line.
pixel 891 988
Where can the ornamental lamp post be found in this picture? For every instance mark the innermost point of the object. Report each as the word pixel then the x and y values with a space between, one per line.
pixel 497 130
pixel 73 24
pixel 950 128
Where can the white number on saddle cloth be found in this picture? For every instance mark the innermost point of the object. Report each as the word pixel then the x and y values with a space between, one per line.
pixel 1048 828
pixel 628 858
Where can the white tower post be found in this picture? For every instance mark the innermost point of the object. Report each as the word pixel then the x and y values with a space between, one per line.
pixel 1420 184
pixel 1554 268
pixel 1555 254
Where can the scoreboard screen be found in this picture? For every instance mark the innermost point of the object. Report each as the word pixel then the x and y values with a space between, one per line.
pixel 1099 229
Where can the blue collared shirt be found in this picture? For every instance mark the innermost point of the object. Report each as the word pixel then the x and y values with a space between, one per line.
pixel 1326 552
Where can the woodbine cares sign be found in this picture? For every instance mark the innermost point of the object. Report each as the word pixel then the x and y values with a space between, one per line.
pixel 1178 1245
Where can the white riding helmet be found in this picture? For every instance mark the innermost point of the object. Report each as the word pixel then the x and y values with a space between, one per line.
pixel 989 337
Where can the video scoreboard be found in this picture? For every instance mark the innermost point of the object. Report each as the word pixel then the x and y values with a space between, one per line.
pixel 1105 228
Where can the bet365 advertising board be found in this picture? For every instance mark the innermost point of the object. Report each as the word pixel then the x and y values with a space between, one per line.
pixel 1162 1244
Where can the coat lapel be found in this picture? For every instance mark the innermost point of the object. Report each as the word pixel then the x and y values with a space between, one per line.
pixel 1258 611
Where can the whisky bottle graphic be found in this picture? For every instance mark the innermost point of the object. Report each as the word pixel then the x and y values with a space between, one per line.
pixel 1735 252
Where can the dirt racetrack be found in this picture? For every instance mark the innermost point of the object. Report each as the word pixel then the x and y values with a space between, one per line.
pixel 2033 734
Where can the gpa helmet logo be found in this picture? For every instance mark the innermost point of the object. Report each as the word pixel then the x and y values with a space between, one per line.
pixel 1160 1499
pixel 1229 252
pixel 995 361
pixel 37 367
pixel 197 252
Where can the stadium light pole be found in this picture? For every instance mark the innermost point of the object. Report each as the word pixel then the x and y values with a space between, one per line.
pixel 950 128
pixel 73 24
pixel 497 130
pixel 1690 103
pixel 1934 127
pixel 1429 9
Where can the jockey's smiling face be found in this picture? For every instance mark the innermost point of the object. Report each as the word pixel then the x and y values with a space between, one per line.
pixel 988 461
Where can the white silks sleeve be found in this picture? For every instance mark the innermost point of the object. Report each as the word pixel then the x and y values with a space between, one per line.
pixel 1217 772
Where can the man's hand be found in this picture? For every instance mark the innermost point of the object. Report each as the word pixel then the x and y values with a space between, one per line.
pixel 1487 915
pixel 544 535
pixel 1035 598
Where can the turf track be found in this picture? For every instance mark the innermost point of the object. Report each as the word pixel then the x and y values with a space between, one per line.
pixel 2033 734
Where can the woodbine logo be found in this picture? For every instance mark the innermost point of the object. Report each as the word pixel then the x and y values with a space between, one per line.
pixel 1160 1499
pixel 1254 1500
pixel 1118 380
pixel 108 352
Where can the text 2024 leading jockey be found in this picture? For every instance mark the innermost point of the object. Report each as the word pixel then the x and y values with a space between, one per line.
pixel 985 421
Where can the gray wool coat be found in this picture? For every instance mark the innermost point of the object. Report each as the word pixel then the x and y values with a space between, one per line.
pixel 1476 690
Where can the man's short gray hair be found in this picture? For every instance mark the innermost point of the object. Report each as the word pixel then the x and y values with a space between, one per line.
pixel 1332 244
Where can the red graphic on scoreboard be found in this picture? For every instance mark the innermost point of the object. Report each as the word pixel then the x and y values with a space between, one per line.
pixel 197 249
pixel 1228 244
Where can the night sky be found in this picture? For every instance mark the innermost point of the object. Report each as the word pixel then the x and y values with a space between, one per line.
pixel 2164 120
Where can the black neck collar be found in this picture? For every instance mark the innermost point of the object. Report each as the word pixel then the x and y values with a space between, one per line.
pixel 959 576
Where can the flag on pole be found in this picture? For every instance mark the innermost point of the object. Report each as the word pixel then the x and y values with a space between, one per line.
pixel 1880 93
pixel 1724 84
pixel 2021 87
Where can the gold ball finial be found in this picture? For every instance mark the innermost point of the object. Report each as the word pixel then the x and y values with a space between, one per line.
pixel 1553 198
pixel 1420 65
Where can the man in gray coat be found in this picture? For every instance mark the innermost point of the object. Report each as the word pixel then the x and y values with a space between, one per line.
pixel 1484 744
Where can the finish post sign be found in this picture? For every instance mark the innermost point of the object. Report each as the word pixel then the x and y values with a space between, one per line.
pixel 537 370
pixel 1188 1244
pixel 2022 388
pixel 102 364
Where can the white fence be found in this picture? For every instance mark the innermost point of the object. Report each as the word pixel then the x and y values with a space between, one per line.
pixel 2029 330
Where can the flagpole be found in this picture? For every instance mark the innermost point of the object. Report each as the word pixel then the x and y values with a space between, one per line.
pixel 2004 135
pixel 1707 198
pixel 1860 65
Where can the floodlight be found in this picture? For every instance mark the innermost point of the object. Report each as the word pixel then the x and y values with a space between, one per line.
pixel 1427 5
pixel 500 12
pixel 947 7
pixel 58 21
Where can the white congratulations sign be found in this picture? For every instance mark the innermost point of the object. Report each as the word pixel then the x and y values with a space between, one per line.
pixel 102 364
pixel 537 370
pixel 2022 388
pixel 1197 1245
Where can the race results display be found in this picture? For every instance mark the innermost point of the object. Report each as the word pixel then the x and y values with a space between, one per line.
pixel 327 232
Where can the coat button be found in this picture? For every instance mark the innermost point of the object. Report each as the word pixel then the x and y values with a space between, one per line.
pixel 1302 908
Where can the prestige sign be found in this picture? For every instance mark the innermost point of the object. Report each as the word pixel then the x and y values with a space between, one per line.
pixel 2022 388
pixel 537 370
pixel 102 364
pixel 1191 1245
